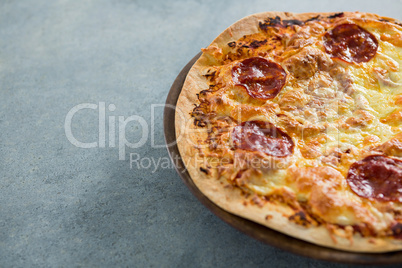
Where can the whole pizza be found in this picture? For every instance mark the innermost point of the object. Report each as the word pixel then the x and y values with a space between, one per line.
pixel 294 121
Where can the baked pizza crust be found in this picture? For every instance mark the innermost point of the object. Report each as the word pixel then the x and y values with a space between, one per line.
pixel 232 199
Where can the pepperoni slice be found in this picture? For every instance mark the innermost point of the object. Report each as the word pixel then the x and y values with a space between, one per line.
pixel 262 79
pixel 378 177
pixel 351 43
pixel 262 137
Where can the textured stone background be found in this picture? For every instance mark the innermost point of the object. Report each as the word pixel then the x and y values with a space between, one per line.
pixel 66 206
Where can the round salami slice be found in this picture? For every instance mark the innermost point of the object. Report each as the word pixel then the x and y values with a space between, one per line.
pixel 263 137
pixel 262 79
pixel 351 43
pixel 378 177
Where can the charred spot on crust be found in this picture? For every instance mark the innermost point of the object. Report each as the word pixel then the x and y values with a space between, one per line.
pixel 199 123
pixel 397 230
pixel 287 23
pixel 336 15
pixel 277 38
pixel 210 76
pixel 277 21
pixel 313 18
pixel 270 22
pixel 200 114
pixel 203 93
pixel 232 44
pixel 253 44
pixel 258 201
pixel 366 231
pixel 363 229
pixel 204 170
pixel 301 218
pixel 390 21
pixel 268 217
pixel 256 43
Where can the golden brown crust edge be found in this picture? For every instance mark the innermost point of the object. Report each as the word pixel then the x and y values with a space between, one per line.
pixel 232 200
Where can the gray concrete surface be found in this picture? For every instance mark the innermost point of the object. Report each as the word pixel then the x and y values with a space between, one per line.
pixel 65 206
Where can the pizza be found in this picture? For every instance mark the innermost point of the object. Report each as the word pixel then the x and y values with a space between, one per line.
pixel 294 121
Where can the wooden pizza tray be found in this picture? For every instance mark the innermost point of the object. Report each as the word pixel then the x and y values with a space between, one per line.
pixel 250 228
